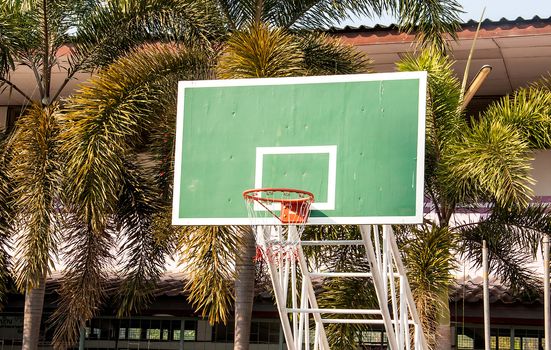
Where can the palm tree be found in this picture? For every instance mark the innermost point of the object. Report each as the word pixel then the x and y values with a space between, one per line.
pixel 117 110
pixel 275 39
pixel 34 34
pixel 98 32
pixel 268 38
pixel 259 51
pixel 481 163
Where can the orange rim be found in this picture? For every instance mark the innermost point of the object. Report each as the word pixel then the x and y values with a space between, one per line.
pixel 250 195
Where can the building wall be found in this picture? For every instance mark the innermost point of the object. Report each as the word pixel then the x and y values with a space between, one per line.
pixel 3 117
pixel 542 173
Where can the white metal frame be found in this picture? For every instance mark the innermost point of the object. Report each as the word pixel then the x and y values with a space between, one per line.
pixel 296 299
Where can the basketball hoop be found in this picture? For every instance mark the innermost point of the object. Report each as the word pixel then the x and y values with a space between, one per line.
pixel 277 239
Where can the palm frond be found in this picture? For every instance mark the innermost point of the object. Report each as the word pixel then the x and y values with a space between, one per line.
pixel 18 24
pixel 240 13
pixel 444 122
pixel 334 258
pixel 343 293
pixel 10 33
pixel 429 257
pixel 260 52
pixel 513 236
pixel 6 216
pixel 34 170
pixel 87 257
pixel 491 162
pixel 105 122
pixel 109 116
pixel 529 111
pixel 160 145
pixel 316 14
pixel 431 20
pixel 117 26
pixel 144 248
pixel 207 256
pixel 324 55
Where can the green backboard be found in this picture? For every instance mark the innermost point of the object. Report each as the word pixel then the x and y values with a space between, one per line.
pixel 355 141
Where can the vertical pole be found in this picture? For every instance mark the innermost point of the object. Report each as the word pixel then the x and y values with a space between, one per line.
pixel 182 333
pixel 486 296
pixel 320 330
pixel 81 339
pixel 378 282
pixel 547 306
pixel 422 342
pixel 278 293
pixel 280 336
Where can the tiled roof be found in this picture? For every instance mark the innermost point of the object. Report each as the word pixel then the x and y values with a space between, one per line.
pixel 470 290
pixel 470 23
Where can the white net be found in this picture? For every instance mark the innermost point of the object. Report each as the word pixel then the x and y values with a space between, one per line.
pixel 278 218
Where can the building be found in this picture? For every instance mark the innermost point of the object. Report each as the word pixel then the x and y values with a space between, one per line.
pixel 519 52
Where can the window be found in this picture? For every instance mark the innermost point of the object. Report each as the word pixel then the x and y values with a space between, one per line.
pixel 264 332
pixel 223 334
pixel 12 114
pixel 372 339
pixel 465 342
pixel 134 333
pixel 472 338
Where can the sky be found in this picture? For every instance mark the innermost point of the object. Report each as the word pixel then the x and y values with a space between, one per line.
pixel 495 10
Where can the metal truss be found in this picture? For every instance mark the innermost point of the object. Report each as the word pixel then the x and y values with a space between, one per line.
pixel 303 320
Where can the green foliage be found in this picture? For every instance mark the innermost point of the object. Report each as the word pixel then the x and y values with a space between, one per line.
pixel 346 293
pixel 260 52
pixel 115 183
pixel 490 162
pixel 208 255
pixel 528 111
pixel 430 19
pixel 513 235
pixel 144 244
pixel 324 55
pixel 6 216
pixel 444 121
pixel 34 169
pixel 483 163
pixel 430 257
pixel 111 185
pixel 117 26
pixel 86 254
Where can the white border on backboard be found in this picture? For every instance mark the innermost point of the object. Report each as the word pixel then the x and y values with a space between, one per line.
pixel 418 180
pixel 331 172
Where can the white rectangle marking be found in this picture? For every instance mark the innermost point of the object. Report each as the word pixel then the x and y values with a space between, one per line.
pixel 331 150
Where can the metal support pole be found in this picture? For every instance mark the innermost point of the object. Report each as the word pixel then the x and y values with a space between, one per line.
pixel 422 342
pixel 81 339
pixel 546 303
pixel 486 296
pixel 378 282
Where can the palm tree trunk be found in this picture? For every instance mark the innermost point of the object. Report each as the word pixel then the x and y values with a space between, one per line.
pixel 34 303
pixel 443 330
pixel 244 291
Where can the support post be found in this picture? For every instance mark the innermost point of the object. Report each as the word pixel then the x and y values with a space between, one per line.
pixel 422 341
pixel 486 296
pixel 82 337
pixel 379 289
pixel 546 303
